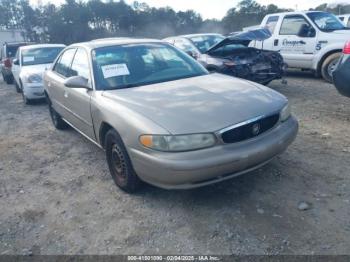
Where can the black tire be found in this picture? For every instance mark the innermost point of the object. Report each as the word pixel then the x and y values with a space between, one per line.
pixel 119 163
pixel 328 66
pixel 57 120
pixel 26 100
pixel 18 89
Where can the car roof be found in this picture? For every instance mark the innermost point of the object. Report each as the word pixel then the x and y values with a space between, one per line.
pixel 26 47
pixel 194 35
pixel 17 43
pixel 296 13
pixel 114 41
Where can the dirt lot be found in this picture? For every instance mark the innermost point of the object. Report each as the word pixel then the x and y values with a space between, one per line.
pixel 57 197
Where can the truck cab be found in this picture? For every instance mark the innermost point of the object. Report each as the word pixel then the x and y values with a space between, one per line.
pixel 345 19
pixel 309 40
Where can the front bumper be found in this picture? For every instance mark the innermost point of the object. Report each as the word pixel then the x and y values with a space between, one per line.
pixel 203 167
pixel 33 91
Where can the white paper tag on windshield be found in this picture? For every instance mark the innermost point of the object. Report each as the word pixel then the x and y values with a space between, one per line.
pixel 115 70
pixel 28 59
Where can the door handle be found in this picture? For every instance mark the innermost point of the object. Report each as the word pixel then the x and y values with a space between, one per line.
pixel 275 43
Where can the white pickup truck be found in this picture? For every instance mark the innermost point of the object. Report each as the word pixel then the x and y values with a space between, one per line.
pixel 345 19
pixel 309 40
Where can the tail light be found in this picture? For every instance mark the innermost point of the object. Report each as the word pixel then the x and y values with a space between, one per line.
pixel 346 49
pixel 7 62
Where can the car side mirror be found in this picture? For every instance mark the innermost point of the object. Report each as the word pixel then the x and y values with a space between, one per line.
pixel 192 54
pixel 77 82
pixel 306 31
pixel 15 61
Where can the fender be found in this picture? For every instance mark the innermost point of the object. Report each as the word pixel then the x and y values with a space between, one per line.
pixel 103 112
pixel 326 50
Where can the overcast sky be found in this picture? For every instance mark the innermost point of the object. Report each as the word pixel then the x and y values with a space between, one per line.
pixel 217 8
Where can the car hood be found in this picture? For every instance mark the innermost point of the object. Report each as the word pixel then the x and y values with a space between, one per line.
pixel 35 69
pixel 199 104
pixel 243 38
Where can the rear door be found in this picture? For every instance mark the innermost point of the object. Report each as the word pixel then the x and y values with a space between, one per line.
pixel 77 100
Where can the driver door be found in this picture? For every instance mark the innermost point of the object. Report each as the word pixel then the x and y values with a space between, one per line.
pixel 297 50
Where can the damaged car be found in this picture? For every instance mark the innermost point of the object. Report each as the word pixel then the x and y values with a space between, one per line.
pixel 232 55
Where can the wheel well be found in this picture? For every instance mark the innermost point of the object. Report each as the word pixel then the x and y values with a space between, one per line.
pixel 319 66
pixel 105 127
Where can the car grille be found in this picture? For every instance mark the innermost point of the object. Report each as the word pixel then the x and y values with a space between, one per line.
pixel 249 130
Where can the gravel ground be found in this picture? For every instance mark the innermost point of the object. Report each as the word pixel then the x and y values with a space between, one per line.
pixel 57 197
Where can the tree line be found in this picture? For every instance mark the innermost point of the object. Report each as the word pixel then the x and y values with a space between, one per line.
pixel 76 21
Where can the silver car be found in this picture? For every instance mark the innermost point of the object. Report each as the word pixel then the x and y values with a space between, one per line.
pixel 161 117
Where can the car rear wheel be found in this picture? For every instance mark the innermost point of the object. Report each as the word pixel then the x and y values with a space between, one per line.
pixel 57 120
pixel 119 163
pixel 329 65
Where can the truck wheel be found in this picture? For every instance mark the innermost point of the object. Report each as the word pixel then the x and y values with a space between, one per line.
pixel 57 120
pixel 329 65
pixel 119 163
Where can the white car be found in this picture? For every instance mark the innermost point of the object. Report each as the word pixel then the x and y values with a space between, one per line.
pixel 28 67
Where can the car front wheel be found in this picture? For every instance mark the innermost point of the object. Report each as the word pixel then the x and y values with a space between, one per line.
pixel 57 120
pixel 119 163
pixel 18 89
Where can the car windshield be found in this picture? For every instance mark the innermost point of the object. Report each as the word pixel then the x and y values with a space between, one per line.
pixel 131 65
pixel 205 42
pixel 42 55
pixel 326 21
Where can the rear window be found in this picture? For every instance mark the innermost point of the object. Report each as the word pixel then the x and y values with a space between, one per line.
pixel 42 55
pixel 11 50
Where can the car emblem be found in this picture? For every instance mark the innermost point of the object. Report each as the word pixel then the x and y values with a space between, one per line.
pixel 256 129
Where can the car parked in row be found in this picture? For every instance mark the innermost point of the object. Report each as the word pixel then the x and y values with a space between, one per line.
pixel 341 75
pixel 7 53
pixel 231 55
pixel 28 67
pixel 161 117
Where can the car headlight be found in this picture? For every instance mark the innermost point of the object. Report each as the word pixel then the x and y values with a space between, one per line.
pixel 178 143
pixel 33 78
pixel 285 113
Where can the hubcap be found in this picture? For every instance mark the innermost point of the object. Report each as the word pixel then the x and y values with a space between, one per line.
pixel 118 162
pixel 332 66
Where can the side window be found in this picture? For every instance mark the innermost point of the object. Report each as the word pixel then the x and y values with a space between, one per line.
pixel 271 23
pixel 348 24
pixel 292 25
pixel 63 64
pixel 185 45
pixel 341 18
pixel 80 65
